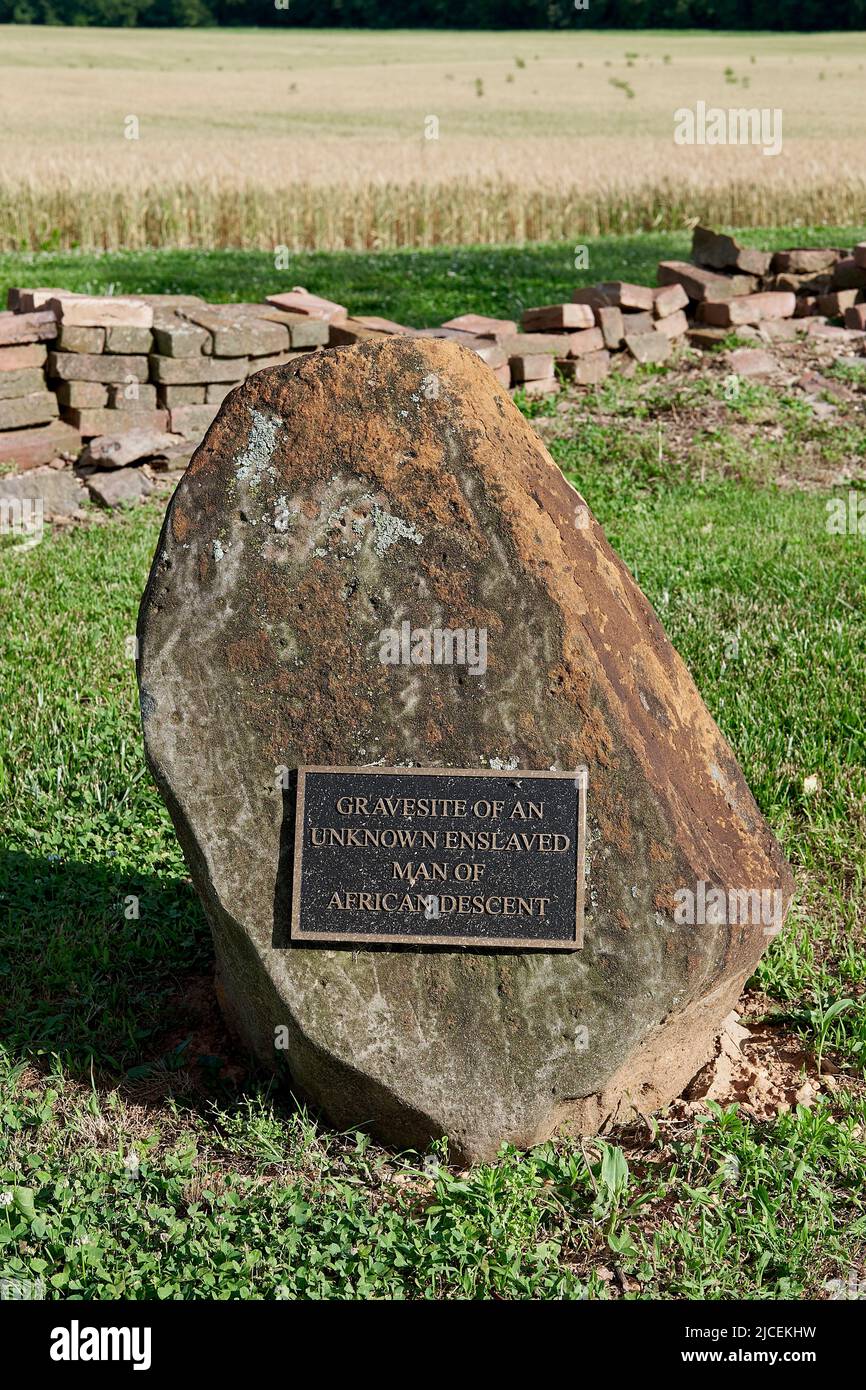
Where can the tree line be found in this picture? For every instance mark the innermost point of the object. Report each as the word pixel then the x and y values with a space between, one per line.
pixel 804 15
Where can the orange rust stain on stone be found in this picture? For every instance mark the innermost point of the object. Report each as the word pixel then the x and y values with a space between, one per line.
pixel 180 524
pixel 659 854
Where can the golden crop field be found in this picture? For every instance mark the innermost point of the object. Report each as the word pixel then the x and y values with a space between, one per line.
pixel 322 138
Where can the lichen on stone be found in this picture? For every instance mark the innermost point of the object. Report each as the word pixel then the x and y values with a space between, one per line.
pixel 255 460
pixel 389 529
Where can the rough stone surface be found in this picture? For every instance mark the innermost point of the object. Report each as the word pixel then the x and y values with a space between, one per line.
pixel 330 498
pixel 118 450
pixel 59 491
pixel 122 486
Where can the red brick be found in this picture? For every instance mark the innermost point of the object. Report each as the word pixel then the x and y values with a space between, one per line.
pixel 27 328
pixel 855 316
pixel 300 301
pixel 487 327
pixel 750 308
pixel 703 284
pixel 667 299
pixel 860 255
pixel 648 347
pixel 29 448
pixel 551 318
pixel 16 359
pixel 674 325
pixel 531 366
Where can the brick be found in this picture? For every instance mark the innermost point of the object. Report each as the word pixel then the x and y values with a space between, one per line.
pixel 805 260
pixel 108 421
pixel 120 449
pixel 122 338
pixel 830 330
pixel 667 299
pixel 785 330
pixel 807 306
pixel 308 333
pixel 37 327
pixel 585 371
pixel 349 331
pixel 716 251
pixel 83 366
pixel 29 448
pixel 491 352
pixel 300 301
pixel 750 308
pixel 23 383
pixel 848 275
pixel 835 303
pixel 192 421
pixel 531 366
pixel 112 490
pixel 860 255
pixel 701 284
pixel 674 325
pixel 592 295
pixel 15 359
pixel 481 324
pixel 627 296
pixel 610 321
pixel 24 301
pixel 544 386
pixel 638 322
pixel 556 344
pixel 71 338
pixel 196 371
pixel 122 397
pixel 380 325
pixel 648 347
pixel 280 359
pixel 216 394
pixel 552 318
pixel 82 394
pixel 174 336
pixel 37 408
pixel 587 340
pixel 169 396
pixel 752 362
pixel 706 338
pixel 502 374
pixel 799 284
pixel 855 316
pixel 93 311
pixel 238 334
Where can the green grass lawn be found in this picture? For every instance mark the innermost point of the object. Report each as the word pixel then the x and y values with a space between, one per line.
pixel 414 287
pixel 141 1157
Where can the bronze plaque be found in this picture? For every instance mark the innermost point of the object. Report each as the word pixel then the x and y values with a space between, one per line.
pixel 439 856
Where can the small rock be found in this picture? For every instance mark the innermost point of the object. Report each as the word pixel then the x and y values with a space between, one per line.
pixel 115 488
pixel 752 362
pixel 118 450
pixel 59 492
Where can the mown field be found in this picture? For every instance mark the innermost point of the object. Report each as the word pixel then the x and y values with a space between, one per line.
pixel 318 139
pixel 140 1154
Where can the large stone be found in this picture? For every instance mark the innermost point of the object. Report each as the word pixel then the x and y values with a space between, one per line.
pixel 333 498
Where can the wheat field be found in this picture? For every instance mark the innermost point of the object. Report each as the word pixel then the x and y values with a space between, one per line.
pixel 322 138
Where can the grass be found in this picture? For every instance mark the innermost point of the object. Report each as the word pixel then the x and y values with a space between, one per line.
pixel 144 1160
pixel 322 139
pixel 418 287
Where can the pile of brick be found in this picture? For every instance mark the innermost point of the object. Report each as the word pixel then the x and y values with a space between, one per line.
pixel 118 383
pixel 137 379
pixel 30 429
pixel 819 291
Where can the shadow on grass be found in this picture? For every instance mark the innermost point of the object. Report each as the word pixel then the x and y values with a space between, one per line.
pixel 111 973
